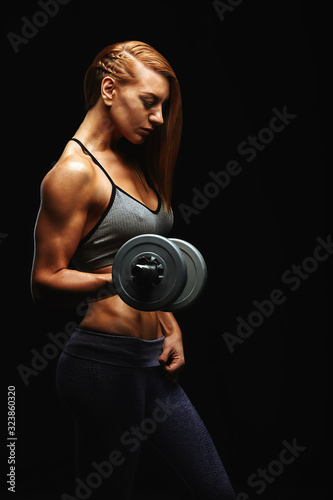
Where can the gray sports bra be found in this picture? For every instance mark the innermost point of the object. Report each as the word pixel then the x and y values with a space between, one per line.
pixel 124 218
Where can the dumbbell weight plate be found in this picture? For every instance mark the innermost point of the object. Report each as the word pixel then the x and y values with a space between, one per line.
pixel 196 276
pixel 158 249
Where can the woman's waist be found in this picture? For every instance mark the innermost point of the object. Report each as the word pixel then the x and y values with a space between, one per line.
pixel 112 316
pixel 114 349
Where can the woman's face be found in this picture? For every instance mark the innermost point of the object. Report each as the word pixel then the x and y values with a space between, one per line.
pixel 137 108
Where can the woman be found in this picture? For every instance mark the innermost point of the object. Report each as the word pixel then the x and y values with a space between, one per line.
pixel 119 369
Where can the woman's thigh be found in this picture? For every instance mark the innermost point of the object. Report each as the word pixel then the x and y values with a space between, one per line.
pixel 107 403
pixel 182 438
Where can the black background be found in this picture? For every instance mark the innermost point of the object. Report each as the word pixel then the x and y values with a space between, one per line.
pixel 232 73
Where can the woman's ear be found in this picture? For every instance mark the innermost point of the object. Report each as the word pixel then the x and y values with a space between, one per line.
pixel 108 90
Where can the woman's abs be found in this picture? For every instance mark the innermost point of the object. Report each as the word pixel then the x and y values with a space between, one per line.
pixel 113 316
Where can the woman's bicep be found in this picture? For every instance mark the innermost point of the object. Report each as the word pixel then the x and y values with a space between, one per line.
pixel 60 222
pixel 57 239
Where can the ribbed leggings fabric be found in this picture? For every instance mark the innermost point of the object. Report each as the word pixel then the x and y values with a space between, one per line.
pixel 119 399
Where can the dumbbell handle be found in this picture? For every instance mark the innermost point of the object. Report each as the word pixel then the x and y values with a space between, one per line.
pixel 144 274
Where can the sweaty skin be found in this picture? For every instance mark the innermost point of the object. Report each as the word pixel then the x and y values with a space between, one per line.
pixel 74 195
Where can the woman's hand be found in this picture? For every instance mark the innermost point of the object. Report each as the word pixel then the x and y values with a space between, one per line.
pixel 172 358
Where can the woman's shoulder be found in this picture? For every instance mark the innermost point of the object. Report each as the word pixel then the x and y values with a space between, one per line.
pixel 72 168
pixel 72 176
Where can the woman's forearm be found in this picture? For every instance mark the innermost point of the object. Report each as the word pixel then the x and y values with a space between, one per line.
pixel 68 287
pixel 168 323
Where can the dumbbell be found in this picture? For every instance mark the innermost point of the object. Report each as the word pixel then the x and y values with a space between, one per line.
pixel 153 273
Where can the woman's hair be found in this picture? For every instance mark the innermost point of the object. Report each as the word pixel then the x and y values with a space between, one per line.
pixel 160 149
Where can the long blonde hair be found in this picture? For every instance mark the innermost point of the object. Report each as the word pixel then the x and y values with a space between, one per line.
pixel 160 150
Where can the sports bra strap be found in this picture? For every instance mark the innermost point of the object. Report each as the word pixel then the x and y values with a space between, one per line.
pixel 93 158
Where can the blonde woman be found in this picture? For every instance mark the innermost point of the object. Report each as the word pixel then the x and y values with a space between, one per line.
pixel 118 372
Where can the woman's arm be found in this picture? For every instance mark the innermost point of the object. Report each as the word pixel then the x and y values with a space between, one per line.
pixel 66 196
pixel 172 357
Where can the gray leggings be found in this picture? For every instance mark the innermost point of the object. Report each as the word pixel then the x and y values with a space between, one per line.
pixel 115 389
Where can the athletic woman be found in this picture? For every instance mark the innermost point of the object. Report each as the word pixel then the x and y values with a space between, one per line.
pixel 118 372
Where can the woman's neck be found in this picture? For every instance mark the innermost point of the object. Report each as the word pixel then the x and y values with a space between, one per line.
pixel 97 130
